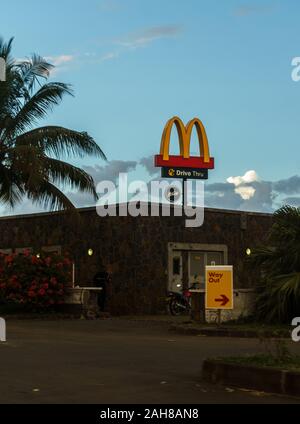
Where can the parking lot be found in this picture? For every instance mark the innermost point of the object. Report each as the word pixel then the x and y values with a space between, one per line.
pixel 115 361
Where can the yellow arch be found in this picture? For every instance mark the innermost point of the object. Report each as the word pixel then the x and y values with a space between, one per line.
pixel 203 141
pixel 166 138
pixel 184 134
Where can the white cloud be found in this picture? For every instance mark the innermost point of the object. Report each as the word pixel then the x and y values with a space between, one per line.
pixel 249 177
pixel 242 184
pixel 148 35
pixel 245 192
pixel 134 41
pixel 248 9
pixel 60 60
pixel 109 56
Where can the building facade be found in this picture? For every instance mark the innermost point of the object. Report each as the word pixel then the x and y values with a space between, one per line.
pixel 146 255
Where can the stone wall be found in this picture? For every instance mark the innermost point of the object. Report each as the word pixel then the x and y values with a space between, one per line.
pixel 136 249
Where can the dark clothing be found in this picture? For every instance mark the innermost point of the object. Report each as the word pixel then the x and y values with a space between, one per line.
pixel 101 279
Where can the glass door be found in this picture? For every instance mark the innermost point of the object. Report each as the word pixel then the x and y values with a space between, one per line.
pixel 197 263
pixel 176 282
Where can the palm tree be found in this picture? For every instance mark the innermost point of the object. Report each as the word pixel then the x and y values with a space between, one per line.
pixel 279 264
pixel 31 158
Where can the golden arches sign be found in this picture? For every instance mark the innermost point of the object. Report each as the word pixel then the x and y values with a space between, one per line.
pixel 184 134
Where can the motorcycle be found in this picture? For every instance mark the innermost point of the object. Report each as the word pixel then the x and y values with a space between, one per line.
pixel 179 303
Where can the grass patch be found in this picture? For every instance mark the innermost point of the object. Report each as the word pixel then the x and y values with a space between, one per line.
pixel 266 361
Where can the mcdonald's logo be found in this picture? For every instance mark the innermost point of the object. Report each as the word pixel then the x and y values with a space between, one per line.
pixel 184 160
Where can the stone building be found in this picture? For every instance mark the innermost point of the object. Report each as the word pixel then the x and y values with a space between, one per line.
pixel 147 255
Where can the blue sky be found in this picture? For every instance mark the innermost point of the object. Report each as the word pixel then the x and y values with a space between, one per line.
pixel 136 63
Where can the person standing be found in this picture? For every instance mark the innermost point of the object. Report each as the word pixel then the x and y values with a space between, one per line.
pixel 102 280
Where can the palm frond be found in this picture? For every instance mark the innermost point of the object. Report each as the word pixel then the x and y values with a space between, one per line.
pixel 64 174
pixel 26 165
pixel 61 141
pixel 48 196
pixel 37 107
pixel 11 191
pixel 286 225
pixel 279 300
pixel 5 49
pixel 279 268
pixel 32 69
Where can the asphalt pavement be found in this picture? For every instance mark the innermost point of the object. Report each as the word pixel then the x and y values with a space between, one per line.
pixel 116 361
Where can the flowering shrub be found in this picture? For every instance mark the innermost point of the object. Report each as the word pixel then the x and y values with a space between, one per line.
pixel 32 281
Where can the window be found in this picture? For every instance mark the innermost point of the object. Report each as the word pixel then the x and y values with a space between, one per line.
pixel 197 264
pixel 215 258
pixel 176 266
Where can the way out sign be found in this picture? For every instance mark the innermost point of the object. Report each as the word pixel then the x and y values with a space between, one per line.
pixel 219 287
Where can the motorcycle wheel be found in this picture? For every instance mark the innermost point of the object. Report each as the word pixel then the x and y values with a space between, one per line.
pixel 176 308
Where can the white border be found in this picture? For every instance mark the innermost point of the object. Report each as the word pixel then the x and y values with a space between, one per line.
pixel 219 268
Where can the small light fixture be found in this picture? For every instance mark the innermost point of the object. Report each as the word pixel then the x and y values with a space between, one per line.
pixel 38 255
pixel 248 252
pixel 90 252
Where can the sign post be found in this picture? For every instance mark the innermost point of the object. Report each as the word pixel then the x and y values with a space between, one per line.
pixel 185 166
pixel 219 288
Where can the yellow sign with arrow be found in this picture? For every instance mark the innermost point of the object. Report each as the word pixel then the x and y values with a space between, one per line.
pixel 219 287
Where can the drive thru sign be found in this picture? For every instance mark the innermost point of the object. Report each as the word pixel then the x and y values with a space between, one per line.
pixel 219 287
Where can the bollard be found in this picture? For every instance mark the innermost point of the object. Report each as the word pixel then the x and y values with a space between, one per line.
pixel 198 307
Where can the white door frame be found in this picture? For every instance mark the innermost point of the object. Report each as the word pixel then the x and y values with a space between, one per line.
pixel 172 247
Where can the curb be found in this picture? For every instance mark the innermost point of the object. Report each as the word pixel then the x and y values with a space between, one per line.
pixel 225 332
pixel 40 317
pixel 269 380
pixel 53 317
